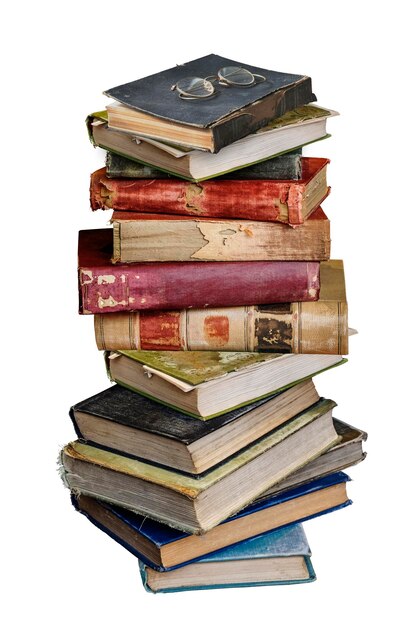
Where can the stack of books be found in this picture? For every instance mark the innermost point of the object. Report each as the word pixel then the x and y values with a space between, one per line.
pixel 216 302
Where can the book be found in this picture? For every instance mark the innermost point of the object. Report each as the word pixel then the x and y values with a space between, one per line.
pixel 277 558
pixel 142 237
pixel 123 421
pixel 149 106
pixel 108 288
pixel 164 548
pixel 347 452
pixel 319 327
pixel 287 166
pixel 197 504
pixel 207 384
pixel 287 201
pixel 289 132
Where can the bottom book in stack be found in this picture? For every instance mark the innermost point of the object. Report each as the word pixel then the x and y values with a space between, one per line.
pixel 278 557
pixel 162 549
pixel 204 504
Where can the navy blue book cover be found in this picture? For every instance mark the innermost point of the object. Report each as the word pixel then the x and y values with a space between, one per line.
pixel 160 534
pixel 153 94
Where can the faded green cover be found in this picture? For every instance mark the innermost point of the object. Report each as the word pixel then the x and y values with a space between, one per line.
pixel 198 366
pixel 195 367
pixel 175 370
pixel 188 485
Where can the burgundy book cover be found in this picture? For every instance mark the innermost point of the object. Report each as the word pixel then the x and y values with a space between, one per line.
pixel 287 201
pixel 105 287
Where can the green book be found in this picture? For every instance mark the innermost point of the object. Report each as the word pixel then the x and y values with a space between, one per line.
pixel 285 167
pixel 287 133
pixel 196 504
pixel 206 384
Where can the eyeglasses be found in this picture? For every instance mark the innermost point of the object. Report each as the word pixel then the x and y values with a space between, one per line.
pixel 192 87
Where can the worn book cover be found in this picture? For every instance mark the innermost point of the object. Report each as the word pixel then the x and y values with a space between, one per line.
pixel 197 504
pixel 300 327
pixel 204 384
pixel 143 237
pixel 347 452
pixel 285 167
pixel 291 131
pixel 280 557
pixel 290 202
pixel 124 421
pixel 233 113
pixel 198 367
pixel 105 287
pixel 164 548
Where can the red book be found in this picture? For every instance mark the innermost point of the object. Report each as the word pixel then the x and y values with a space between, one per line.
pixel 105 287
pixel 287 201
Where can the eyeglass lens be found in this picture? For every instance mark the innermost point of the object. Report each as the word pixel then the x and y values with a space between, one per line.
pixel 195 87
pixel 236 75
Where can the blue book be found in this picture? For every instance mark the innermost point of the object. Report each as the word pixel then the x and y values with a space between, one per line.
pixel 165 548
pixel 276 558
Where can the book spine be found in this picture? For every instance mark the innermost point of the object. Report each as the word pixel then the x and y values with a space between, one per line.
pixel 237 126
pixel 285 167
pixel 118 166
pixel 148 238
pixel 262 200
pixel 301 328
pixel 140 287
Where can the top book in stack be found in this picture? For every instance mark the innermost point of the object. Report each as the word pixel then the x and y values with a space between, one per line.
pixel 242 99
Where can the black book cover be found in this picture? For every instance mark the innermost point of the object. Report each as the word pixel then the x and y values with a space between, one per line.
pixel 232 113
pixel 131 409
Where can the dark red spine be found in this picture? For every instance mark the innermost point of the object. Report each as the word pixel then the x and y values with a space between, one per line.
pixel 105 287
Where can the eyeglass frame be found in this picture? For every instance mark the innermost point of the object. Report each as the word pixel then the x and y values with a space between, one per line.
pixel 222 80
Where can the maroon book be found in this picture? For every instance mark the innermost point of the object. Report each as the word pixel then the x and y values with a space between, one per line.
pixel 105 287
pixel 287 201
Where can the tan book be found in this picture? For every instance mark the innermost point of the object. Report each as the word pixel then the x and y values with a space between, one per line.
pixel 196 504
pixel 127 422
pixel 141 237
pixel 347 452
pixel 296 498
pixel 294 129
pixel 206 384
pixel 319 327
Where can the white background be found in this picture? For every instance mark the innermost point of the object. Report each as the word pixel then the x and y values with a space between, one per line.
pixel 56 61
